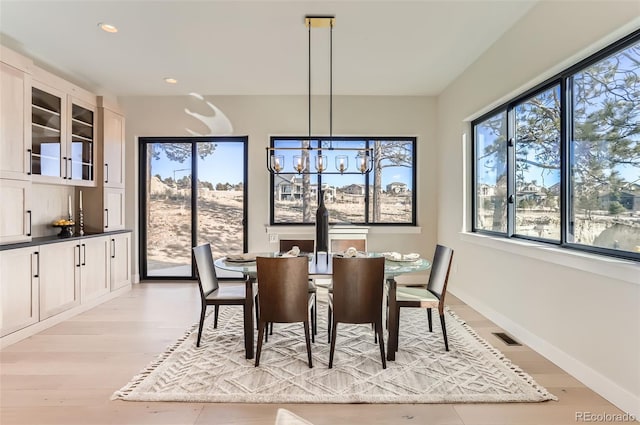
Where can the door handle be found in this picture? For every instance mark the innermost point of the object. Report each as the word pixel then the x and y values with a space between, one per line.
pixel 70 169
pixel 84 251
pixel 30 161
pixel 113 248
pixel 29 232
pixel 37 264
pixel 66 167
pixel 106 174
pixel 78 265
pixel 106 213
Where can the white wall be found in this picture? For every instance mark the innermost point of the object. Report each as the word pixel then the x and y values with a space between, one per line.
pixel 588 322
pixel 259 117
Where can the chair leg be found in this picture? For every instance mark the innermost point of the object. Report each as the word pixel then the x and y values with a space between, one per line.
pixel 315 315
pixel 313 324
pixel 397 330
pixel 204 309
pixel 378 327
pixel 271 328
pixel 333 343
pixel 375 333
pixel 259 348
pixel 306 338
pixel 329 320
pixel 266 332
pixel 444 333
pixel 429 317
pixel 257 307
pixel 215 317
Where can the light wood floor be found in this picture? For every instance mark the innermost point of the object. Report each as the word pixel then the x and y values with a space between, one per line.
pixel 66 375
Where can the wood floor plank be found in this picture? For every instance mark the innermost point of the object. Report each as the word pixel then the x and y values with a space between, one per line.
pixel 67 374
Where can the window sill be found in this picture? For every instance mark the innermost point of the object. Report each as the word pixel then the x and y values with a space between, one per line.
pixel 372 230
pixel 624 270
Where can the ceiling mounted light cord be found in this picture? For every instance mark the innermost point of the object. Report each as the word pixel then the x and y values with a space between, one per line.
pixel 300 157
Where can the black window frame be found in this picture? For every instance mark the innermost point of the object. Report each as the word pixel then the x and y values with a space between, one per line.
pixel 564 79
pixel 367 139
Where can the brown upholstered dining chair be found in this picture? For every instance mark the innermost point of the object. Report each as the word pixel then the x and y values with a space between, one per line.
pixel 213 292
pixel 306 246
pixel 283 295
pixel 358 286
pixel 430 296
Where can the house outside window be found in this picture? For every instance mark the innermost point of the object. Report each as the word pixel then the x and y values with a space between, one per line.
pixel 386 195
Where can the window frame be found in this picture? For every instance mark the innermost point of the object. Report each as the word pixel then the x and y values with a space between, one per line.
pixel 367 180
pixel 564 80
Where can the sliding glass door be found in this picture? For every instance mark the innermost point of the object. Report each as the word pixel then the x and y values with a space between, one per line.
pixel 192 191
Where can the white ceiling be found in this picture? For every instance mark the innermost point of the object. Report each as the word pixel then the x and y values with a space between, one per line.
pixel 257 47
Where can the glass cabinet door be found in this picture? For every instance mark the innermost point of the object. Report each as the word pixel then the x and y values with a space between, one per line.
pixel 81 145
pixel 46 130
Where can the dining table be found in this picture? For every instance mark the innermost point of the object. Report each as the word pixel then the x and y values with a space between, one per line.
pixel 320 265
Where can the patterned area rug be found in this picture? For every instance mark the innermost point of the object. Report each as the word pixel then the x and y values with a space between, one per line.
pixel 217 371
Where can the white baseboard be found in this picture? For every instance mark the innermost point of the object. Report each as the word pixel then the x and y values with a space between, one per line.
pixel 136 278
pixel 622 398
pixel 24 333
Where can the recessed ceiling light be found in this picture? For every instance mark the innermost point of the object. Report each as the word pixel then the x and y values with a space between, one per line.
pixel 170 80
pixel 107 27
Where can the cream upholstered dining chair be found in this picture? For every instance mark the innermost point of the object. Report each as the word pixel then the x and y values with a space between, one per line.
pixel 430 296
pixel 212 292
pixel 358 287
pixel 283 295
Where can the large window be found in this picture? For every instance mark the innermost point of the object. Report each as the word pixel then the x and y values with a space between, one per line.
pixel 386 195
pixel 561 163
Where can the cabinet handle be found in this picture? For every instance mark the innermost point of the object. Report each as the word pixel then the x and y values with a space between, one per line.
pixel 106 220
pixel 84 251
pixel 66 167
pixel 30 161
pixel 106 178
pixel 113 248
pixel 29 232
pixel 78 265
pixel 37 264
pixel 70 169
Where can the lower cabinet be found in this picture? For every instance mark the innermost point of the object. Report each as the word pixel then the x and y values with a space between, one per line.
pixel 120 260
pixel 94 268
pixel 59 277
pixel 19 279
pixel 41 281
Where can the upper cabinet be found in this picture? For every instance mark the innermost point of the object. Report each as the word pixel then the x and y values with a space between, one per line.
pixel 112 146
pixel 48 160
pixel 63 132
pixel 81 147
pixel 15 129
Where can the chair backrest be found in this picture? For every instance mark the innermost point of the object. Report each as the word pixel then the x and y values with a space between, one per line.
pixel 358 285
pixel 205 270
pixel 283 286
pixel 440 271
pixel 305 245
pixel 339 245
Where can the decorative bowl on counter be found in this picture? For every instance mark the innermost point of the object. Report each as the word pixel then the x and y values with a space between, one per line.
pixel 66 227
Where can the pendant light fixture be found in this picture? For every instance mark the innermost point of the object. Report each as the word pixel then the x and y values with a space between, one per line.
pixel 278 157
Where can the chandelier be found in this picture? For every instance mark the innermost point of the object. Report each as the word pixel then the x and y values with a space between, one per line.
pixel 299 159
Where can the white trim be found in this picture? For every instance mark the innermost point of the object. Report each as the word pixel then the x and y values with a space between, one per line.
pixel 373 230
pixel 622 398
pixel 625 270
pixel 16 336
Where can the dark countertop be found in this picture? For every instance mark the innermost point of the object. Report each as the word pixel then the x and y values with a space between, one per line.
pixel 44 240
